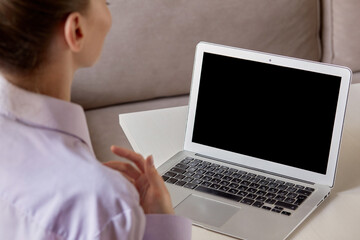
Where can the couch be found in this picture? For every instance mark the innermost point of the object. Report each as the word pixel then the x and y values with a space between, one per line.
pixel 148 55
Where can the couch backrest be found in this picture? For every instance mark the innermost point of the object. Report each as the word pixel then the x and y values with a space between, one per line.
pixel 341 33
pixel 149 51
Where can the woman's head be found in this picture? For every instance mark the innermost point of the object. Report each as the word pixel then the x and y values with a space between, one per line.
pixel 27 28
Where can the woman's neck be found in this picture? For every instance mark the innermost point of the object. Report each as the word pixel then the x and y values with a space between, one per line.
pixel 53 78
pixel 53 83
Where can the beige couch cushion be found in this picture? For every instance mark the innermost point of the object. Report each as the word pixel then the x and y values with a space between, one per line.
pixel 104 123
pixel 150 50
pixel 342 33
pixel 356 78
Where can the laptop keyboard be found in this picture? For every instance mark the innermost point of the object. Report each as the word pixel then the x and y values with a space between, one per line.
pixel 248 188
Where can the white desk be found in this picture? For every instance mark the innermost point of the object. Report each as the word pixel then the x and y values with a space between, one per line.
pixel 161 133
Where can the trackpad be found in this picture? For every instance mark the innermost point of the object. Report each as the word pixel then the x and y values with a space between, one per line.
pixel 205 210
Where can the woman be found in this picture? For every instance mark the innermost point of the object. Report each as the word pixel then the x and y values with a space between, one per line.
pixel 51 185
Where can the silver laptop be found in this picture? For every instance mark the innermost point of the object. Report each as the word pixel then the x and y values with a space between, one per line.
pixel 261 144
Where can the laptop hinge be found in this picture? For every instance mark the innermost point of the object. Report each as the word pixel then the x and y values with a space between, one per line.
pixel 256 169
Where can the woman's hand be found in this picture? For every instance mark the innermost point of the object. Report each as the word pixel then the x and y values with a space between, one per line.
pixel 154 196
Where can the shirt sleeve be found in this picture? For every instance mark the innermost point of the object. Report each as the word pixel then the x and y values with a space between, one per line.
pixel 164 227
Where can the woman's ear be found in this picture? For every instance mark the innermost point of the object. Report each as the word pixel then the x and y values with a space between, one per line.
pixel 74 31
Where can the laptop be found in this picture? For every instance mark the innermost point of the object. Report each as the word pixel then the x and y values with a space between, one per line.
pixel 261 144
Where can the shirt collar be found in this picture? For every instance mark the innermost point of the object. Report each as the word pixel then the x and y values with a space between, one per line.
pixel 43 111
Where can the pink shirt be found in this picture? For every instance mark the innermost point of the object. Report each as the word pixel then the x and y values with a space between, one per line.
pixel 53 187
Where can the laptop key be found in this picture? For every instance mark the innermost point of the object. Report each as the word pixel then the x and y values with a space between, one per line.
pixel 309 189
pixel 234 185
pixel 170 174
pixel 179 176
pixel 273 185
pixel 218 175
pixel 279 198
pixel 193 164
pixel 202 166
pixel 252 190
pixel 242 193
pixel 300 200
pixel 218 193
pixel 236 175
pixel 251 195
pixel 279 208
pixel 181 165
pixel 227 178
pixel 215 180
pixel 216 186
pixel 242 188
pixel 171 180
pixel 261 193
pixel 224 188
pixel 272 190
pixel 282 187
pixel 233 191
pixel 270 179
pixel 188 174
pixel 187 160
pixel 292 195
pixel 292 189
pixel 264 182
pixel 224 183
pixel 258 204
pixel 263 188
pixel 266 208
pixel 209 173
pixel 285 213
pixel 261 199
pixel 188 179
pixel 289 200
pixel 286 205
pixel 247 201
pixel 197 176
pixel 206 178
pixel 304 192
pixel 270 201
pixel 236 180
pixel 276 210
pixel 245 183
pixel 192 169
pixel 190 185
pixel 206 184
pixel 270 195
pixel 178 170
pixel 196 181
pixel 180 183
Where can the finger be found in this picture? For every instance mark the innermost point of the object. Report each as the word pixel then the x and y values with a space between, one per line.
pixel 152 175
pixel 129 178
pixel 130 155
pixel 125 168
pixel 142 186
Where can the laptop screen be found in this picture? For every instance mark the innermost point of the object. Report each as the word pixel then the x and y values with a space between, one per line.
pixel 274 113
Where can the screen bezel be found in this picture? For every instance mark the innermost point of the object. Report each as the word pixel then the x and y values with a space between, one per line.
pixel 253 162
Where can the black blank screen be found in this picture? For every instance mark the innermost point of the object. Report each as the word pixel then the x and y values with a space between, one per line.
pixel 265 111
